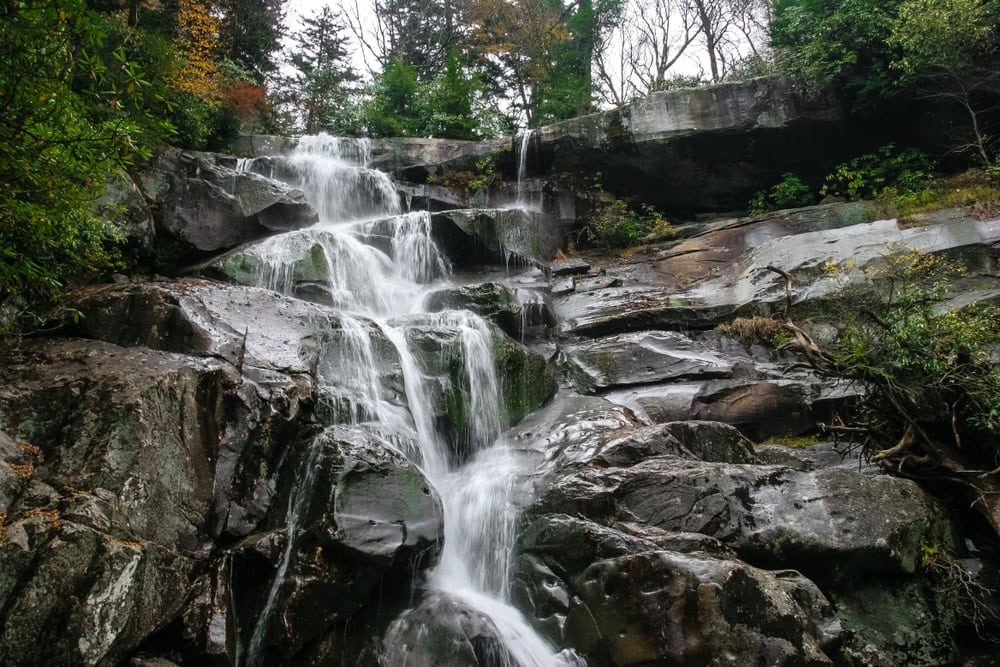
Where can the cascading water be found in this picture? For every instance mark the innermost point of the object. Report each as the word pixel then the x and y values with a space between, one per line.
pixel 523 151
pixel 378 265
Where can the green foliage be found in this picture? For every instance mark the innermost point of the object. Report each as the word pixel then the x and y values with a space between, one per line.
pixel 940 34
pixel 323 84
pixel 69 121
pixel 679 81
pixel 929 361
pixel 449 101
pixel 615 224
pixel 841 43
pixel 395 109
pixel 866 176
pixel 971 189
pixel 564 90
pixel 790 192
pixel 793 441
pixel 250 34
pixel 486 175
pixel 447 106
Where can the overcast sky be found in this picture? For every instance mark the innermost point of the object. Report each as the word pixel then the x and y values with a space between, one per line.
pixel 299 8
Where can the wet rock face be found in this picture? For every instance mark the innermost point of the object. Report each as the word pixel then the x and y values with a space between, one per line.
pixel 503 306
pixel 820 522
pixel 707 148
pixel 642 358
pixel 526 381
pixel 635 600
pixel 497 236
pixel 371 502
pixel 167 443
pixel 114 499
pixel 445 631
pixel 205 206
pixel 365 513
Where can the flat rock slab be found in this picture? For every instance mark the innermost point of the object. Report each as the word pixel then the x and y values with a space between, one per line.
pixel 821 522
pixel 642 358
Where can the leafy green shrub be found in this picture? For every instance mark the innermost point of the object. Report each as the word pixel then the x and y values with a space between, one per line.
pixel 486 175
pixel 929 372
pixel 931 385
pixel 75 114
pixel 790 192
pixel 866 176
pixel 615 224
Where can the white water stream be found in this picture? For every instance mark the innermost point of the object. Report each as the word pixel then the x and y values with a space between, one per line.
pixel 379 265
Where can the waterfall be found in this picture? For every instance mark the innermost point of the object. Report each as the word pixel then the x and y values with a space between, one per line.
pixel 378 264
pixel 522 149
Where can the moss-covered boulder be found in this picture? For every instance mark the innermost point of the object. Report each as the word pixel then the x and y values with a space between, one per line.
pixel 515 310
pixel 474 370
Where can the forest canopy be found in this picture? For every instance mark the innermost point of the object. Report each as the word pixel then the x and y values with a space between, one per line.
pixel 92 87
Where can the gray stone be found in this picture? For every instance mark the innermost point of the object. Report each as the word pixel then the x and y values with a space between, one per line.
pixel 641 358
pixel 498 236
pixel 123 204
pixel 629 601
pixel 706 148
pixel 569 267
pixel 827 522
pixel 361 510
pixel 205 205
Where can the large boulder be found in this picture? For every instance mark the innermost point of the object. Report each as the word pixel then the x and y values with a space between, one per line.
pixel 73 594
pixel 625 599
pixel 706 148
pixel 469 364
pixel 642 358
pixel 722 272
pixel 204 205
pixel 515 310
pixel 130 462
pixel 354 510
pixel 498 236
pixel 827 523
pixel 412 158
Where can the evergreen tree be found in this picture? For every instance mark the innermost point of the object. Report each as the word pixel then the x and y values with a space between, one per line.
pixel 419 33
pixel 450 103
pixel 324 79
pixel 250 34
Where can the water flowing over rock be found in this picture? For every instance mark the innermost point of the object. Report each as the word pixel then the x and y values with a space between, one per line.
pixel 380 430
pixel 205 206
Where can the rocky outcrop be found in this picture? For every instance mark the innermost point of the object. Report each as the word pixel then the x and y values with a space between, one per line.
pixel 116 496
pixel 721 273
pixel 449 358
pixel 411 159
pixel 149 467
pixel 636 600
pixel 819 522
pixel 357 510
pixel 708 148
pixel 203 205
pixel 627 539
pixel 515 310
pixel 498 236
